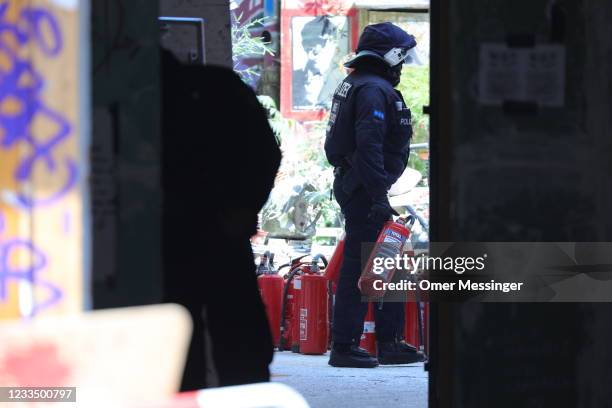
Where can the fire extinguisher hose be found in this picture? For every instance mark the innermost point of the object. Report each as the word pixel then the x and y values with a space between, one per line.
pixel 315 262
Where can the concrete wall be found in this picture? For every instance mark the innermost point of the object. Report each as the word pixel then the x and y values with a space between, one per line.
pixel 125 153
pixel 505 176
pixel 217 25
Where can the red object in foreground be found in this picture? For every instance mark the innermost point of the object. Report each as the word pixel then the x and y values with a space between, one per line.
pixel 36 365
pixel 271 290
pixel 426 327
pixel 332 272
pixel 313 314
pixel 368 337
pixel 411 327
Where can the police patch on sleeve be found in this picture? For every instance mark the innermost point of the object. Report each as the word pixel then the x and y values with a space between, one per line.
pixel 406 117
pixel 343 89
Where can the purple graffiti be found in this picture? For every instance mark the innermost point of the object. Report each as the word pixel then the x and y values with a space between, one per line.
pixel 38 19
pixel 67 223
pixel 22 85
pixel 29 273
pixel 31 26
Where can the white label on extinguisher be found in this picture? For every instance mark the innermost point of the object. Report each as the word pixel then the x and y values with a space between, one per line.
pixel 297 284
pixel 392 240
pixel 303 321
pixel 369 327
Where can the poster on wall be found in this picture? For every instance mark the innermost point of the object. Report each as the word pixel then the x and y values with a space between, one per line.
pixel 317 37
pixel 320 43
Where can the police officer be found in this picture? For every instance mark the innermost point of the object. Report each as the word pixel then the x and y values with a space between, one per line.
pixel 368 143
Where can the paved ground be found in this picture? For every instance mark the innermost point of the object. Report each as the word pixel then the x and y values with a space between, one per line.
pixel 328 387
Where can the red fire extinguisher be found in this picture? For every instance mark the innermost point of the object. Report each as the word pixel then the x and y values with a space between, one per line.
pixel 426 327
pixel 313 313
pixel 332 272
pixel 417 315
pixel 415 331
pixel 289 327
pixel 368 336
pixel 271 290
pixel 390 243
pixel 304 325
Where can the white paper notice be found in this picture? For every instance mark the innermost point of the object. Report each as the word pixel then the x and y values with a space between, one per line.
pixel 531 75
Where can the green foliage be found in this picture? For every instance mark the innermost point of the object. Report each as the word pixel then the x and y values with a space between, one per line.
pixel 244 45
pixel 414 86
pixel 304 162
pixel 279 124
pixel 315 167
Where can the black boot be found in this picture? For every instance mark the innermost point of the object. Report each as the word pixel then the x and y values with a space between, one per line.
pixel 360 351
pixel 402 345
pixel 348 355
pixel 394 352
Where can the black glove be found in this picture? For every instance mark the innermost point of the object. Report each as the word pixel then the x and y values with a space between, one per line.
pixel 381 211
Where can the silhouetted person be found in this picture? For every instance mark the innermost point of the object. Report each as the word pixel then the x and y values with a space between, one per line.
pixel 220 158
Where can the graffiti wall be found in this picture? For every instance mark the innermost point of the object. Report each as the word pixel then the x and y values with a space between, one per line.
pixel 41 231
pixel 261 17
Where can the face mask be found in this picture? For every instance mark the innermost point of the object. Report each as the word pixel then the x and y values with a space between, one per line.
pixel 395 74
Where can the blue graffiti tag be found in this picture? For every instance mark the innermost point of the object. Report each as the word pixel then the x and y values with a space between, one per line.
pixel 22 85
pixel 28 273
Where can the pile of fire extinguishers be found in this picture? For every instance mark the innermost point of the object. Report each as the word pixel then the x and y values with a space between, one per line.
pixel 299 303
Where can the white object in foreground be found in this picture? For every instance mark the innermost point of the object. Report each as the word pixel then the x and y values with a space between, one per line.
pixel 268 395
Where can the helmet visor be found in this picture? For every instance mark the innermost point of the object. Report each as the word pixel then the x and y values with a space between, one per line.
pixel 413 58
pixel 397 56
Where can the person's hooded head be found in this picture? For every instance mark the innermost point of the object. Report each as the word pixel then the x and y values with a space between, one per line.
pixel 386 46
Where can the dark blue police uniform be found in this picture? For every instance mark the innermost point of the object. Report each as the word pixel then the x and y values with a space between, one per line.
pixel 368 142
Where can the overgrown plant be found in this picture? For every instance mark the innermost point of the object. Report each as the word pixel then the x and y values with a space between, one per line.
pixel 302 190
pixel 245 45
pixel 305 176
pixel 279 124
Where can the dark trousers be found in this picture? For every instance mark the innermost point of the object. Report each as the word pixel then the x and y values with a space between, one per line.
pixel 349 308
pixel 217 276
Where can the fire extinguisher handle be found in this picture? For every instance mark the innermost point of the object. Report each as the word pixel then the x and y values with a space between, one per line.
pixel 298 261
pixel 315 260
pixel 410 221
pixel 325 261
